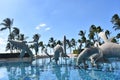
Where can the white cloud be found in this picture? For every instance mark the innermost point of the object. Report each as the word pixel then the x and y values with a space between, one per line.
pixel 2 44
pixel 2 41
pixel 38 27
pixel 41 26
pixel 47 29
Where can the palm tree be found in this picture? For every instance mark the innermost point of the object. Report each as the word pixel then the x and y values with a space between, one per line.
pixel 36 37
pixel 88 43
pixel 91 36
pixel 15 32
pixel 83 39
pixel 81 33
pixel 52 42
pixel 59 42
pixel 7 23
pixel 114 40
pixel 99 29
pixel 73 42
pixel 22 37
pixel 118 36
pixel 41 45
pixel 10 37
pixel 92 28
pixel 31 46
pixel 48 45
pixel 94 31
pixel 116 21
pixel 35 40
pixel 69 44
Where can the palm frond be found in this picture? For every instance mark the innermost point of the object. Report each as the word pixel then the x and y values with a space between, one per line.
pixel 16 30
pixel 3 28
pixel 8 22
pixel 4 24
pixel 7 47
pixel 116 27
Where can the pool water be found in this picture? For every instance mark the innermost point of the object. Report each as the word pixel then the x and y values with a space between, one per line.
pixel 43 69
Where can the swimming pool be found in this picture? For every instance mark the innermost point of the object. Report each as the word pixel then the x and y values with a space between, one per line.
pixel 43 69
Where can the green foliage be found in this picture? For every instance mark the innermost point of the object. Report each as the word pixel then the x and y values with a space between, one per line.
pixel 75 52
pixel 116 21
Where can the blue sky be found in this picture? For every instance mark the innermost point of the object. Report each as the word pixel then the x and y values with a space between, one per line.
pixel 56 18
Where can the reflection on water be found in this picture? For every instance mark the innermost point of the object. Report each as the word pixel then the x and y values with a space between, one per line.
pixel 42 69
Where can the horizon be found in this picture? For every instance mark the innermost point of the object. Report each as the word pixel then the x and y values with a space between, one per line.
pixel 56 18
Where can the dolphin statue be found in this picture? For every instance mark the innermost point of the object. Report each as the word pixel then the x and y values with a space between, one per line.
pixel 60 51
pixel 107 50
pixel 57 50
pixel 23 47
pixel 86 53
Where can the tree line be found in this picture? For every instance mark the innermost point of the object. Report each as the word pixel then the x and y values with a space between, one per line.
pixel 83 41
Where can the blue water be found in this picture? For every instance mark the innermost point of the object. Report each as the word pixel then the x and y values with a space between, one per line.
pixel 43 69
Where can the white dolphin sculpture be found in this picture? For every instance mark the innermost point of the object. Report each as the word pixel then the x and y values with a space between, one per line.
pixel 60 51
pixel 86 53
pixel 23 47
pixel 106 50
pixel 57 50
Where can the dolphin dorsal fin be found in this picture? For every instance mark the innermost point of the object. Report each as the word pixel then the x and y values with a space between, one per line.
pixel 104 37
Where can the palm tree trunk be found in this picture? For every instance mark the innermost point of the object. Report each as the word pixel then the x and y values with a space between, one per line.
pixel 70 50
pixel 10 43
